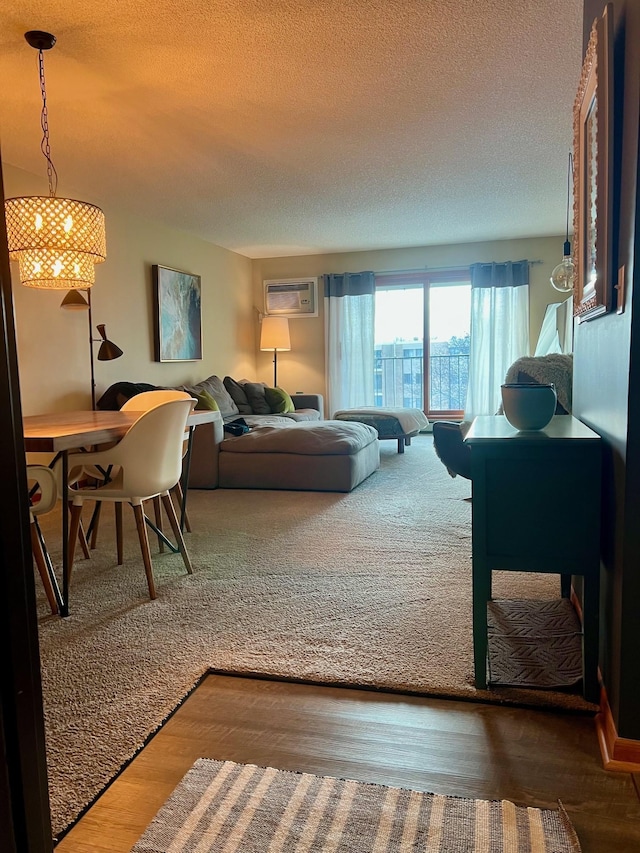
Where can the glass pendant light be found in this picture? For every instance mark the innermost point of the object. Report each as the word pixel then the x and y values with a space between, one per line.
pixel 562 276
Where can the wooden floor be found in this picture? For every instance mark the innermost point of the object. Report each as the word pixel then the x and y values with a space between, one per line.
pixel 448 747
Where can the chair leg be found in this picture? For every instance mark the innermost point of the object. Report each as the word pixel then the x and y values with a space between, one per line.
pixel 157 510
pixel 41 563
pixel 119 547
pixel 171 514
pixel 177 492
pixel 144 547
pixel 74 529
pixel 95 523
pixel 82 539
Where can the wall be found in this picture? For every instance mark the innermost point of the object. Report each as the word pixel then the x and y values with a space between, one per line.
pixel 606 382
pixel 302 369
pixel 53 348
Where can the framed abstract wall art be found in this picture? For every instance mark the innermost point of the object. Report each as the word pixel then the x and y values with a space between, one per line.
pixel 593 174
pixel 178 315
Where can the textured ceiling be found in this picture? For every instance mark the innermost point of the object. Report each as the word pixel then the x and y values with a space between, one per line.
pixel 285 127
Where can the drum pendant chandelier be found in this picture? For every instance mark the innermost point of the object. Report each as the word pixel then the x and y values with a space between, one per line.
pixel 56 241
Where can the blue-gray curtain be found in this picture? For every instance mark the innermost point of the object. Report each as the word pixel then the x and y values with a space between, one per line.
pixel 349 305
pixel 499 330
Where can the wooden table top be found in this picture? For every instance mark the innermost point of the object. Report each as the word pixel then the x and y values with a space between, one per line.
pixel 69 430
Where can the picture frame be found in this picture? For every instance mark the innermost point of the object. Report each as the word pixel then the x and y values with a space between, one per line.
pixel 178 315
pixel 593 175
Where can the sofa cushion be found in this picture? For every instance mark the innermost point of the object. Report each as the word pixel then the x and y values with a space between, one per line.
pixel 206 401
pixel 304 415
pixel 269 420
pixel 327 438
pixel 215 386
pixel 238 395
pixel 256 396
pixel 279 401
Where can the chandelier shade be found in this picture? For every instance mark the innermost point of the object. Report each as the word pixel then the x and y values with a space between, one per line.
pixel 56 241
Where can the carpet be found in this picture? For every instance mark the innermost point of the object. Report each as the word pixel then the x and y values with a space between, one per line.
pixel 370 589
pixel 230 807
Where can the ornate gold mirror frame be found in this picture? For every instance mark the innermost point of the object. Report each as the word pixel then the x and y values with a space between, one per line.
pixel 593 174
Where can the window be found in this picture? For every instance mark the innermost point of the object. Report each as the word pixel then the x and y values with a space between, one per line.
pixel 412 308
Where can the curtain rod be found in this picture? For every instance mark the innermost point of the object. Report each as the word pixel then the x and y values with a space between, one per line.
pixel 437 269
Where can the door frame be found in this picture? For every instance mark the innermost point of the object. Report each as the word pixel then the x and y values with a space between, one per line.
pixel 25 817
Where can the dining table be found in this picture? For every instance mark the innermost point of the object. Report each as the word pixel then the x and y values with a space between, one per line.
pixel 62 432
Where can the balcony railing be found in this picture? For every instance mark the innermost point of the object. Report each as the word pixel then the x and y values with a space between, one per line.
pixel 399 382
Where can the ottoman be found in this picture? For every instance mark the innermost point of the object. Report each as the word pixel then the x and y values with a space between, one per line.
pixel 400 424
pixel 325 456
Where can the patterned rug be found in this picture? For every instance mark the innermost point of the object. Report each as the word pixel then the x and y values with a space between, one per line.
pixel 223 806
pixel 534 644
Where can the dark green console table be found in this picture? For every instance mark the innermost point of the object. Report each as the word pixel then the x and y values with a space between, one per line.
pixel 536 508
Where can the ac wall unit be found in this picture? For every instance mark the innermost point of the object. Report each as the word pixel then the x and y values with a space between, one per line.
pixel 291 297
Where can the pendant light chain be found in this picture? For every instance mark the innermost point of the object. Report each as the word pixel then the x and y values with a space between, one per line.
pixel 45 147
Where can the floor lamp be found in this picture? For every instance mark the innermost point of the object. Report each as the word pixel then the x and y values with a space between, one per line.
pixel 274 337
pixel 108 351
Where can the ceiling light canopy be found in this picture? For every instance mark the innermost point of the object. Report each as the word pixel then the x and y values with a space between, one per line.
pixel 56 241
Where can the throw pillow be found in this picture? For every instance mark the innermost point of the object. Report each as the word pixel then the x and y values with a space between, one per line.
pixel 214 386
pixel 238 395
pixel 255 392
pixel 279 401
pixel 206 401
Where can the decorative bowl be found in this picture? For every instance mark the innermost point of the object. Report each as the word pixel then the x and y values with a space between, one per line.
pixel 528 406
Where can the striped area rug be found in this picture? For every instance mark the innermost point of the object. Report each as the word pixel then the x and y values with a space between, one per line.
pixel 240 808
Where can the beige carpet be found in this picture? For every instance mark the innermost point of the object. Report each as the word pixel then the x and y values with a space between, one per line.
pixel 220 805
pixel 371 588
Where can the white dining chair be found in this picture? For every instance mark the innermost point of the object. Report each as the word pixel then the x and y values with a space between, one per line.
pixel 145 463
pixel 140 403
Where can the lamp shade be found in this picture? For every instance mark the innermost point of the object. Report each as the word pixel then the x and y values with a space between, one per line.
pixel 274 334
pixel 56 241
pixel 107 350
pixel 74 301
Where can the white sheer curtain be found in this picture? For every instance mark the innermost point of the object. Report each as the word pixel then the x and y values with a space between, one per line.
pixel 556 332
pixel 499 331
pixel 349 305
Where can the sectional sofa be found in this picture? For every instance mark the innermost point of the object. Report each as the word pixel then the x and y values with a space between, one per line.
pixel 284 449
pixel 288 446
